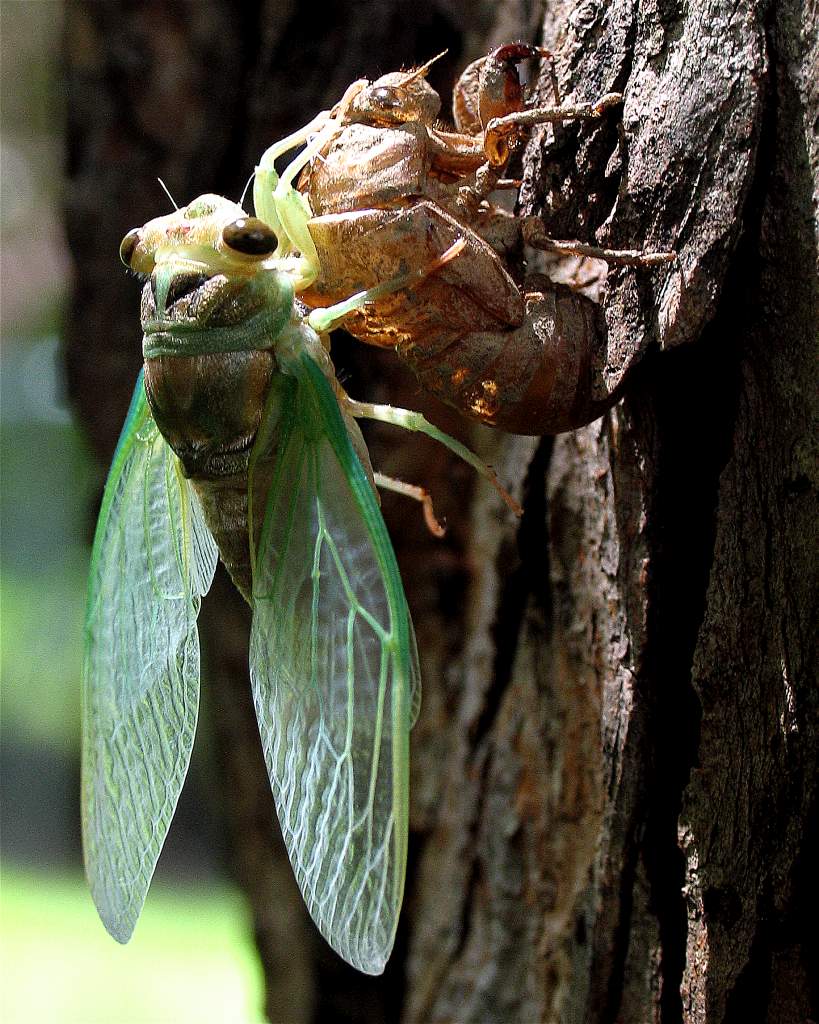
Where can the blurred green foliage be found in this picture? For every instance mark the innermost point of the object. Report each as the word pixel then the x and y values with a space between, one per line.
pixel 191 959
pixel 44 499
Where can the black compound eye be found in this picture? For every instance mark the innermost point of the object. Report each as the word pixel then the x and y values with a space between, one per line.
pixel 250 236
pixel 127 246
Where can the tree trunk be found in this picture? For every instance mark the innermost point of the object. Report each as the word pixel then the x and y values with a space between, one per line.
pixel 614 773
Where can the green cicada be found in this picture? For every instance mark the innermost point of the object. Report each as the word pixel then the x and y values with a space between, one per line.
pixel 240 442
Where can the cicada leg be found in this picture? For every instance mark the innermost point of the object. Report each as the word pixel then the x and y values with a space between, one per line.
pixel 293 207
pixel 416 422
pixel 266 179
pixel 417 493
pixel 327 318
pixel 279 204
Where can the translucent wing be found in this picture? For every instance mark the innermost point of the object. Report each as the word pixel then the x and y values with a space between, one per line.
pixel 333 666
pixel 153 559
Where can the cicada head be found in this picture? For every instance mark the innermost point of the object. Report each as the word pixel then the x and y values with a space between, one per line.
pixel 214 283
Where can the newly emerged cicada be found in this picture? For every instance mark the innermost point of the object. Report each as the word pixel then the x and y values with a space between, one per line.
pixel 240 442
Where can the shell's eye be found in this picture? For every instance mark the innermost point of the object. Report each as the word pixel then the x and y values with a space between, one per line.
pixel 127 246
pixel 385 97
pixel 250 236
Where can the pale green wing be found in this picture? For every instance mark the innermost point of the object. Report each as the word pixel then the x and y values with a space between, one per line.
pixel 333 666
pixel 153 559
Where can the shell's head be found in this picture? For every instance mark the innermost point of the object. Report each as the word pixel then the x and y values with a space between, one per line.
pixel 396 98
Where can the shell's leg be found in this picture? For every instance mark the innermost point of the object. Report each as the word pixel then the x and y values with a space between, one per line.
pixel 534 234
pixel 500 130
pixel 505 131
pixel 556 114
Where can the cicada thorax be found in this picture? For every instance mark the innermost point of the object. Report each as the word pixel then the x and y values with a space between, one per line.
pixel 211 313
pixel 208 406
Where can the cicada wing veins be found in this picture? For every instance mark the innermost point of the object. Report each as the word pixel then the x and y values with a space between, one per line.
pixel 333 669
pixel 153 559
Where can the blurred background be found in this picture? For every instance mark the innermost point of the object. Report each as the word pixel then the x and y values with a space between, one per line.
pixel 192 957
pixel 98 100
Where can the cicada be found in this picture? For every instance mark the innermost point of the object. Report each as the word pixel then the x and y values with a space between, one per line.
pixel 241 442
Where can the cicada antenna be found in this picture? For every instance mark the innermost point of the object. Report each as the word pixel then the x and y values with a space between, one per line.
pixel 244 190
pixel 167 192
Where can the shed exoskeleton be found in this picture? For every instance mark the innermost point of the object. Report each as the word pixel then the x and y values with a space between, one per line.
pixel 387 187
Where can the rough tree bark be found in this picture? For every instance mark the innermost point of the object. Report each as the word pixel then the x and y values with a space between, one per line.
pixel 615 767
